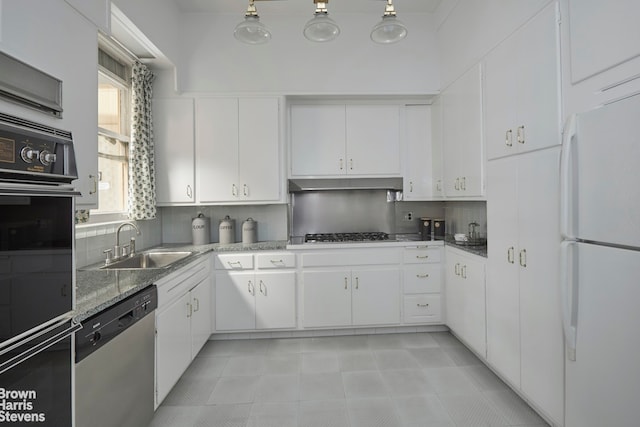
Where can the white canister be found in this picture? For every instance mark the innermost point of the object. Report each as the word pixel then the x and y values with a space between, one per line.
pixel 227 230
pixel 200 230
pixel 249 231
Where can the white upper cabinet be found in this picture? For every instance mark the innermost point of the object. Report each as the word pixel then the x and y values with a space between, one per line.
pixel 338 140
pixel 174 150
pixel 238 150
pixel 462 136
pixel 437 185
pixel 521 91
pixel 417 176
pixel 601 53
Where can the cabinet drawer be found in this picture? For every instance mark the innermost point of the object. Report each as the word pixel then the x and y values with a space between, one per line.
pixel 365 256
pixel 234 261
pixel 275 260
pixel 422 278
pixel 422 254
pixel 180 282
pixel 422 309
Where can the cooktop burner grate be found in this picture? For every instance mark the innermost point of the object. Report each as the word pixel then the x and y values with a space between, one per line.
pixel 346 237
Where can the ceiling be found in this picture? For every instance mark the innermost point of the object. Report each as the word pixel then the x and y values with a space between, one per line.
pixel 305 6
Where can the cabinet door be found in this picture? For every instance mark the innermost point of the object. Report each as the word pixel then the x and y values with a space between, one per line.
pixel 318 140
pixel 500 80
pixel 217 149
pixel 276 300
pixel 603 35
pixel 376 296
pixel 437 149
pixel 259 145
pixel 173 345
pixel 538 90
pixel 235 301
pixel 174 150
pixel 462 136
pixel 373 139
pixel 503 291
pixel 200 315
pixel 454 301
pixel 541 337
pixel 327 298
pixel 474 323
pixel 418 158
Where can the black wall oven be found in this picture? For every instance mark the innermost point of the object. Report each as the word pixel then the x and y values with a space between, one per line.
pixel 37 167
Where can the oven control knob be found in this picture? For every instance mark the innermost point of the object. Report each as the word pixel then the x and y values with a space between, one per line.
pixel 28 154
pixel 46 158
pixel 96 337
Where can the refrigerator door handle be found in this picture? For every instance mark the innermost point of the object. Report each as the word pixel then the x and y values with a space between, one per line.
pixel 568 139
pixel 567 290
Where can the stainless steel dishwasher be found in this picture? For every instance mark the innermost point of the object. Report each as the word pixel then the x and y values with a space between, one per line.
pixel 115 364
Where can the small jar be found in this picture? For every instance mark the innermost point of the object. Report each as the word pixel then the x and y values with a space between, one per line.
pixel 438 229
pixel 425 228
pixel 249 231
pixel 227 230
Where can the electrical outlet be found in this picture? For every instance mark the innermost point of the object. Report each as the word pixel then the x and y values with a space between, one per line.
pixel 407 216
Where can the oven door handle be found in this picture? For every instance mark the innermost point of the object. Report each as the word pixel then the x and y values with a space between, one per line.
pixel 41 342
pixel 36 190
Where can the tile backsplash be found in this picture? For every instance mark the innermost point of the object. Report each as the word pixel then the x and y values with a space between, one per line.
pixel 458 215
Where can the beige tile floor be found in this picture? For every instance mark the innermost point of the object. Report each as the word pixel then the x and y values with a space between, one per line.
pixel 390 380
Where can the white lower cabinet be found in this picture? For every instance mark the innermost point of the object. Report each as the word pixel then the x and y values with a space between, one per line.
pixel 264 298
pixel 422 284
pixel 183 322
pixel 465 298
pixel 362 296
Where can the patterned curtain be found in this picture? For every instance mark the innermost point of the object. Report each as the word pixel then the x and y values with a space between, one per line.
pixel 142 177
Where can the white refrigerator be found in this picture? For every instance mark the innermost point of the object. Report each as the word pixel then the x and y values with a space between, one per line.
pixel 600 258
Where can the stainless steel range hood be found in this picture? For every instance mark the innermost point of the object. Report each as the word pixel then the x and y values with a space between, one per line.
pixel 299 185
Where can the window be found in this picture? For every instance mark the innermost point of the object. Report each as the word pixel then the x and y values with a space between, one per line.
pixel 114 128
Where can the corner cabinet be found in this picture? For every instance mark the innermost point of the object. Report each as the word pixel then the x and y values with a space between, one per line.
pixel 174 150
pixel 345 140
pixel 418 155
pixel 465 296
pixel 462 136
pixel 183 322
pixel 238 150
pixel 522 93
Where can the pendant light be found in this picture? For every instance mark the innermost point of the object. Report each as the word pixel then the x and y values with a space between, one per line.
pixel 251 30
pixel 321 28
pixel 389 29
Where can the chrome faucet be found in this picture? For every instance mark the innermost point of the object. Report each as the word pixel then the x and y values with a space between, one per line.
pixel 118 251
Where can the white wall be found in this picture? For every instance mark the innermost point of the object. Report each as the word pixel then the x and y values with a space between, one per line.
pixel 473 27
pixel 289 64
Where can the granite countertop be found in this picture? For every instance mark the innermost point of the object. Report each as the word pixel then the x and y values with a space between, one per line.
pixel 98 289
pixel 476 250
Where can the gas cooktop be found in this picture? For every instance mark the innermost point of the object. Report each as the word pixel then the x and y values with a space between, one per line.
pixel 346 237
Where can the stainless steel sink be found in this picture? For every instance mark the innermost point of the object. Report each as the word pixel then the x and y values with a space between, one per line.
pixel 148 260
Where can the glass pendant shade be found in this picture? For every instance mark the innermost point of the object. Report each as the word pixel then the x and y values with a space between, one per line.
pixel 252 31
pixel 321 28
pixel 389 30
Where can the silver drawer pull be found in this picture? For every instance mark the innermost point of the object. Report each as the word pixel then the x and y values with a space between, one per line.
pixel 277 261
pixel 422 305
pixel 232 263
pixel 422 276
pixel 422 256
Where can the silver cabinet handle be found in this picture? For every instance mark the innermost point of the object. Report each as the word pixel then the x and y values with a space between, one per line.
pixel 277 261
pixel 511 255
pixel 245 190
pixel 189 192
pixel 263 288
pixel 197 307
pixel 351 164
pixel 457 184
pixel 422 305
pixel 251 288
pixel 456 269
pixel 345 283
pixel 189 309
pixel 410 186
pixel 232 263
pixel 357 282
pixel 520 134
pixel 523 258
pixel 463 271
pixel 95 184
pixel 508 138
pixel 422 276
pixel 439 185
pixel 463 183
pixel 234 190
pixel 341 164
